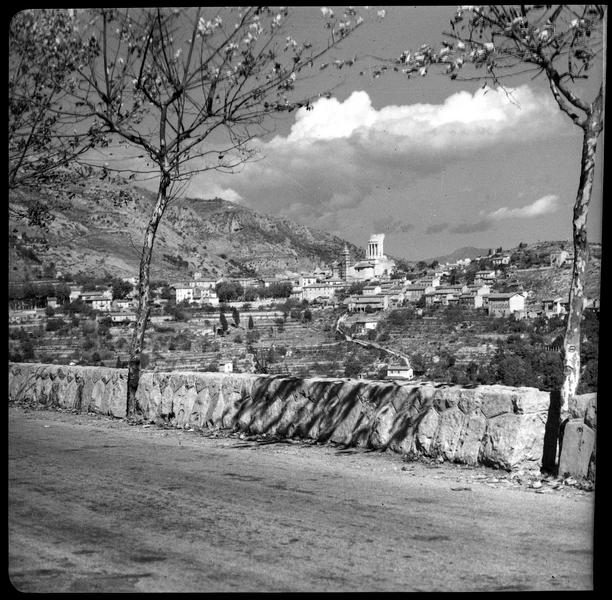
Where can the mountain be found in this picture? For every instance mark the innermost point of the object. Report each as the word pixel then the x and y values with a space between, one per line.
pixel 460 253
pixel 102 230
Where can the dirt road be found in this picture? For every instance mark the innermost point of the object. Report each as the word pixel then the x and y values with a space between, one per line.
pixel 97 505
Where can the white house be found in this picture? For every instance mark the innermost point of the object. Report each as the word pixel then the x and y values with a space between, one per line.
pixel 400 369
pixel 502 305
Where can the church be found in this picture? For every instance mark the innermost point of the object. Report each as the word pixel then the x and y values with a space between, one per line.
pixel 375 265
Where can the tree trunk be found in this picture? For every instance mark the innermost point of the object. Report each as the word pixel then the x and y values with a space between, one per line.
pixel 144 294
pixel 561 400
pixel 571 342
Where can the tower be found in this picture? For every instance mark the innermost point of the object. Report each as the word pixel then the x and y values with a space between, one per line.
pixel 344 263
pixel 375 246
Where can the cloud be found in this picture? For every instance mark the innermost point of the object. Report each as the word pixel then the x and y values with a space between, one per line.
pixel 339 154
pixel 436 228
pixel 217 191
pixel 542 206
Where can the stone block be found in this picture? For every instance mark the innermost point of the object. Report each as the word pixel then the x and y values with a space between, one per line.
pixel 511 439
pixel 426 431
pixel 579 404
pixel 448 433
pixel 529 400
pixel 577 448
pixel 496 400
pixel 446 398
pixel 470 438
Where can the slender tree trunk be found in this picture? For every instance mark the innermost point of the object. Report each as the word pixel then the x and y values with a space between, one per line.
pixel 571 342
pixel 144 294
pixel 561 400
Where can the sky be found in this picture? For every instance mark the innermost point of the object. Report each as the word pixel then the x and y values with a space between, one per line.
pixel 432 163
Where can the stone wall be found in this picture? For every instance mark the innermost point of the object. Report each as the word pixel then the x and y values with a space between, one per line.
pixel 490 424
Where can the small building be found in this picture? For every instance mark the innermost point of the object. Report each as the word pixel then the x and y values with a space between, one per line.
pixel 226 367
pixel 471 300
pixel 400 369
pixel 365 324
pixel 122 317
pixel 430 280
pixel 485 276
pixel 558 258
pixel 553 306
pixel 501 260
pixel 503 305
pixel 362 303
pixel 52 302
pixel 415 291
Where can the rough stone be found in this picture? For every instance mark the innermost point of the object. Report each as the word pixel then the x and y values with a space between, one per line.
pixel 450 425
pixel 511 439
pixel 496 400
pixel 577 448
pixel 529 400
pixel 426 431
pixel 470 439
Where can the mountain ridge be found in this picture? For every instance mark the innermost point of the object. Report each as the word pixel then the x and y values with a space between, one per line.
pixel 213 236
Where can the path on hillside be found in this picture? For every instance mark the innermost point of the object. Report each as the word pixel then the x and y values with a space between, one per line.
pixel 97 505
pixel 367 344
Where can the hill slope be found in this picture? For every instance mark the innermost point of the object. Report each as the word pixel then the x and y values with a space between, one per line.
pixel 214 236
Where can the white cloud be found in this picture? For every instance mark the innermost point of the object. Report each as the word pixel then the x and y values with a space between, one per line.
pixel 217 191
pixel 340 153
pixel 542 206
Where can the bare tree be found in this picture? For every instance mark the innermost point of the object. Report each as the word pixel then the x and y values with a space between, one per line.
pixel 188 88
pixel 46 137
pixel 564 44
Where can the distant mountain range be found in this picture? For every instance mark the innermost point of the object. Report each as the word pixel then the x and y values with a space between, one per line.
pixel 215 237
pixel 459 254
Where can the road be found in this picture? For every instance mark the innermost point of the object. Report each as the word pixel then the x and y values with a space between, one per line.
pixel 98 505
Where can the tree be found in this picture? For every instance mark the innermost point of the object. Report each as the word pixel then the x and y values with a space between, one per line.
pixel 46 134
pixel 223 321
pixel 565 44
pixel 121 288
pixel 251 324
pixel 235 316
pixel 187 89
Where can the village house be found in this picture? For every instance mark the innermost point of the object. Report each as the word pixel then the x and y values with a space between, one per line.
pixel 485 276
pixel 75 292
pixel 319 290
pixel 205 284
pixel 122 317
pixel 400 369
pixel 122 304
pixel 503 305
pixel 364 324
pixel 97 300
pixel 501 260
pixel 304 280
pixel 429 281
pixel 361 303
pixel 371 290
pixel 478 288
pixel 184 292
pixel 558 258
pixel 471 300
pixel 553 306
pixel 415 291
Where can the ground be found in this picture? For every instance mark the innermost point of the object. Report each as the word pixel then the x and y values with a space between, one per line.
pixel 96 504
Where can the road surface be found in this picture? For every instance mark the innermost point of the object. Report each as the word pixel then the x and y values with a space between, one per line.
pixel 97 505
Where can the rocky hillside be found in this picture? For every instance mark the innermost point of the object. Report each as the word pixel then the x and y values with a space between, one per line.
pixel 103 226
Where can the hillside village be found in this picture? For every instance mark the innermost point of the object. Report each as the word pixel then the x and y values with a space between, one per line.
pixel 369 317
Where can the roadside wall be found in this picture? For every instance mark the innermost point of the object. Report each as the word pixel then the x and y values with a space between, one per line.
pixel 491 424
